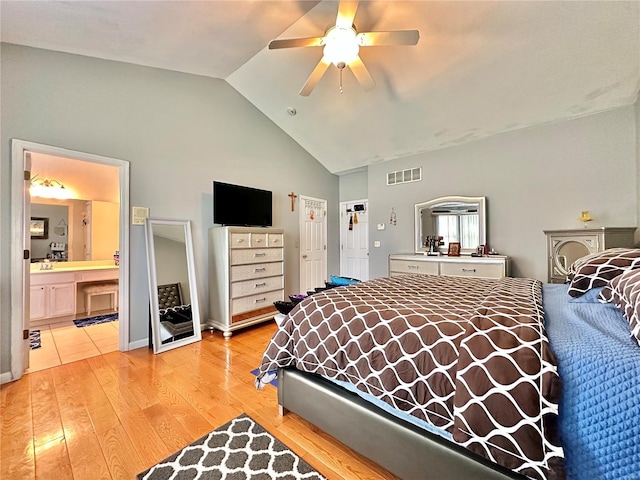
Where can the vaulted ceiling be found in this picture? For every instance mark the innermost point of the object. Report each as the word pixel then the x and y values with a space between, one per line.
pixel 479 69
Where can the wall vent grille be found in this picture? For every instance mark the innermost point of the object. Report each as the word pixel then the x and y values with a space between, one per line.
pixel 404 176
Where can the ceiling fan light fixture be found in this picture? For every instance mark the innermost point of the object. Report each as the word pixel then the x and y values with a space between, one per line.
pixel 341 46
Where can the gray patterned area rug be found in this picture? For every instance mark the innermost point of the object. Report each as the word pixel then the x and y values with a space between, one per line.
pixel 238 450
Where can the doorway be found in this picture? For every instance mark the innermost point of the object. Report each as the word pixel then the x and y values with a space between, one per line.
pixel 313 243
pixel 22 152
pixel 354 239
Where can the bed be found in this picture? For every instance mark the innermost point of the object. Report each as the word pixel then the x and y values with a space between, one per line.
pixel 176 318
pixel 535 389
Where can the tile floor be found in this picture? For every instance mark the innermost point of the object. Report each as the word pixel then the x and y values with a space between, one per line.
pixel 65 343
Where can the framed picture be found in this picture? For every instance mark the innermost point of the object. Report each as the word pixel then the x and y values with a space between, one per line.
pixel 454 249
pixel 39 228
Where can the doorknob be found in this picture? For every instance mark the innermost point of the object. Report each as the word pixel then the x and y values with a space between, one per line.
pixel 304 256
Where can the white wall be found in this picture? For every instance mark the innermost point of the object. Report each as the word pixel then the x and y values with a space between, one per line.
pixel 180 132
pixel 534 179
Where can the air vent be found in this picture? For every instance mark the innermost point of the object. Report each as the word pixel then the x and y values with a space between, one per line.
pixel 404 176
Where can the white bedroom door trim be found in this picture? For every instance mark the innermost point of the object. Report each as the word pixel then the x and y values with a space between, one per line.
pixel 354 243
pixel 20 297
pixel 313 243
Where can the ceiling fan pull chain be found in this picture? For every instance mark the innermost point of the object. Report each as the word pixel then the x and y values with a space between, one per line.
pixel 341 91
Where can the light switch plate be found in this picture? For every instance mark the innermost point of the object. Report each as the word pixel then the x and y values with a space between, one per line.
pixel 138 214
pixel 381 226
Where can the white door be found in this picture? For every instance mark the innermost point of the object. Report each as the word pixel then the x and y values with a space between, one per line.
pixel 354 239
pixel 313 243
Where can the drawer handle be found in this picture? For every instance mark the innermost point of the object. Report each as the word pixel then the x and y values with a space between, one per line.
pixel 415 267
pixel 259 285
pixel 261 300
pixel 275 240
pixel 263 254
pixel 261 269
pixel 468 269
pixel 240 240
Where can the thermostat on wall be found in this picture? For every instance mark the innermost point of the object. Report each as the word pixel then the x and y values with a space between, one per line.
pixel 138 214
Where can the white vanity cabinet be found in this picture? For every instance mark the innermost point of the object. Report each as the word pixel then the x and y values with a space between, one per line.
pixel 492 266
pixel 566 246
pixel 246 275
pixel 52 295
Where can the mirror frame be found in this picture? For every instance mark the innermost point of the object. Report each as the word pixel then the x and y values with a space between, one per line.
pixel 158 347
pixel 482 220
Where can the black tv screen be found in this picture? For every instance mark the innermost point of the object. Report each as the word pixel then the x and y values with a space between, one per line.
pixel 237 205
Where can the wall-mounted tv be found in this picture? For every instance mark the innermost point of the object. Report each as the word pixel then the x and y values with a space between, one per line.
pixel 236 205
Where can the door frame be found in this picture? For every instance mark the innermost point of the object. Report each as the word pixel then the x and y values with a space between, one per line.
pixel 20 297
pixel 301 217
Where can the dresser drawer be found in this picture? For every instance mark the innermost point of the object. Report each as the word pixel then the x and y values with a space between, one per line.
pixel 258 240
pixel 254 302
pixel 50 278
pixel 276 240
pixel 240 240
pixel 257 285
pixel 256 255
pixel 97 275
pixel 472 269
pixel 258 270
pixel 409 266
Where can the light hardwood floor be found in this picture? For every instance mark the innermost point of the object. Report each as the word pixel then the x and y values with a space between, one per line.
pixel 114 415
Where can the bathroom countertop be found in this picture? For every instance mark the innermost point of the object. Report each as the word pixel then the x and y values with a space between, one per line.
pixel 73 267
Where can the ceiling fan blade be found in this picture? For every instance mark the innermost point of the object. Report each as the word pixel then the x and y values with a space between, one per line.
pixel 346 14
pixel 296 42
pixel 398 37
pixel 315 76
pixel 362 74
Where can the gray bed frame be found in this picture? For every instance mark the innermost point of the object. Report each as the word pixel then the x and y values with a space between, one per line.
pixel 398 446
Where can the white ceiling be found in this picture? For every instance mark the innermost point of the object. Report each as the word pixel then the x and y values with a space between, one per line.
pixel 480 68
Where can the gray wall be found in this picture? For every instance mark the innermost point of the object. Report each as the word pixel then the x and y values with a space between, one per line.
pixel 354 186
pixel 180 132
pixel 534 179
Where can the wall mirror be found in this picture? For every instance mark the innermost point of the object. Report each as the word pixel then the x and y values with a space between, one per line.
pixel 175 313
pixel 456 219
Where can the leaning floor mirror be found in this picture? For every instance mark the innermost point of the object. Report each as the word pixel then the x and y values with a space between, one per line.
pixel 175 313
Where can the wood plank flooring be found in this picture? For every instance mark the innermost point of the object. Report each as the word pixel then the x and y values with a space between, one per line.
pixel 115 415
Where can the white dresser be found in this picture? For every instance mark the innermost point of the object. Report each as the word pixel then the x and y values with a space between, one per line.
pixel 492 266
pixel 246 275
pixel 566 246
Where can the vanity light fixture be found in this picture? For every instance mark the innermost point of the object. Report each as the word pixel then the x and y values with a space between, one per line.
pixel 45 188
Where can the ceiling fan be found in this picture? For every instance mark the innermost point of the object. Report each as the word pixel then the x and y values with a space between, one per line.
pixel 342 44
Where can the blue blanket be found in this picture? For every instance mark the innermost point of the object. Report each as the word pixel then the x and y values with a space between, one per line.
pixel 599 364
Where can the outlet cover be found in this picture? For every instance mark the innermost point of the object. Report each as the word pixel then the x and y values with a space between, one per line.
pixel 376 243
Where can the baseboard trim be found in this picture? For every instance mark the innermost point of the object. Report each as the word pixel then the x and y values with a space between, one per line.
pixel 139 344
pixel 5 377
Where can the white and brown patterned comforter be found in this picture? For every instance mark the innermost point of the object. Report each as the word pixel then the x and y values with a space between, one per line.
pixel 467 355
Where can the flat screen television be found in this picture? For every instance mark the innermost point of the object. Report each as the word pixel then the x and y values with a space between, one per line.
pixel 236 205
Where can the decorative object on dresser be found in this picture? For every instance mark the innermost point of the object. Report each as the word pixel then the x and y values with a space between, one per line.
pixel 453 219
pixel 566 246
pixel 173 293
pixel 493 266
pixel 454 249
pixel 246 276
pixel 585 217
